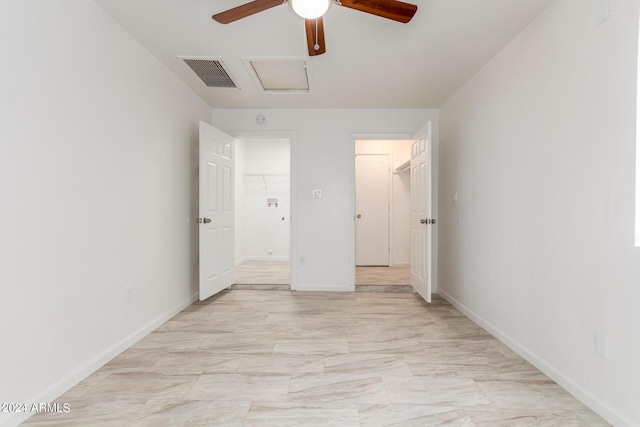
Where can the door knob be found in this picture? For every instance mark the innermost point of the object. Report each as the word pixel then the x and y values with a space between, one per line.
pixel 206 220
pixel 358 216
pixel 423 221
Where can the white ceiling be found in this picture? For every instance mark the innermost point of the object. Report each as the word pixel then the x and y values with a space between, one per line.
pixel 371 62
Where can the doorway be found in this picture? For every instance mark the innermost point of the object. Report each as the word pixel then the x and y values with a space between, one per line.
pixel 383 205
pixel 262 216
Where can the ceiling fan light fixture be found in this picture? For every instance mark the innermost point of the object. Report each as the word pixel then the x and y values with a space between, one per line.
pixel 310 9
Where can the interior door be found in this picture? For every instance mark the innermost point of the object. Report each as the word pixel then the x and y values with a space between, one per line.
pixel 421 221
pixel 372 210
pixel 216 208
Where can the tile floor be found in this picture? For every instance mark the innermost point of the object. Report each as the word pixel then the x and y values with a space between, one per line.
pixel 382 276
pixel 280 358
pixel 262 273
pixel 252 273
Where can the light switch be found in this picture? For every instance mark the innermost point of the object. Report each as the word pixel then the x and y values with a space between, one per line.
pixel 317 193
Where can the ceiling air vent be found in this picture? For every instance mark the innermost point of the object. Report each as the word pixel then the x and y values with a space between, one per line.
pixel 211 71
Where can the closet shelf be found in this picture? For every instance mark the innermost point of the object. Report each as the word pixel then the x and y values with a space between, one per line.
pixel 264 177
pixel 404 167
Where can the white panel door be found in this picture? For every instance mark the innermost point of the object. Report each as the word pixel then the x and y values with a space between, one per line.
pixel 421 221
pixel 372 210
pixel 216 208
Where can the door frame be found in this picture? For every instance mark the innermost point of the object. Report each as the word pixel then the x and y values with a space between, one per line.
pixel 434 195
pixel 293 212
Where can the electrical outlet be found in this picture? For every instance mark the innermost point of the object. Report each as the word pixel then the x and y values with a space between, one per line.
pixel 128 294
pixel 302 260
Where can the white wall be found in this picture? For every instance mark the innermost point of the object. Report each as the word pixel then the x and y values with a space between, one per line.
pixel 323 146
pixel 539 146
pixel 262 172
pixel 98 179
pixel 400 197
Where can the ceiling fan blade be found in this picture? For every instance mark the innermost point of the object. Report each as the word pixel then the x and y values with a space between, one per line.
pixel 390 9
pixel 315 36
pixel 245 10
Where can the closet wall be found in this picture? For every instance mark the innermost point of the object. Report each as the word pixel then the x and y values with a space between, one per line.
pixel 400 197
pixel 262 200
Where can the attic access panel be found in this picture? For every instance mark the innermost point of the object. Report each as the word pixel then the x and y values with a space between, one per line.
pixel 281 75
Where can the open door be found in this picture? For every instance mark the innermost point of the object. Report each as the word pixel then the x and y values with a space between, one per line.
pixel 421 220
pixel 216 208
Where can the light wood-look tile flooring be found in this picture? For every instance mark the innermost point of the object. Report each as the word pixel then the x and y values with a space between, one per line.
pixel 382 276
pixel 278 273
pixel 263 273
pixel 281 358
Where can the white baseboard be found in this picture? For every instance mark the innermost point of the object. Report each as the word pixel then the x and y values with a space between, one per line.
pixel 400 264
pixel 266 258
pixel 72 379
pixel 595 404
pixel 325 288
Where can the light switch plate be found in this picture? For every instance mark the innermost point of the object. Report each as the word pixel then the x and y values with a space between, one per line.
pixel 317 194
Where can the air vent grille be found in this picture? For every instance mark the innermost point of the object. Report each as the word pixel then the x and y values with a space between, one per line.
pixel 211 72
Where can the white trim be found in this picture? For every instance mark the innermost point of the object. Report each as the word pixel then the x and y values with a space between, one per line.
pixel 390 200
pixel 266 258
pixel 325 288
pixel 637 204
pixel 401 264
pixel 75 377
pixel 574 389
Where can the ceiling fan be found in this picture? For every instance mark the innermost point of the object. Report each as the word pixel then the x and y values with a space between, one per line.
pixel 313 10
